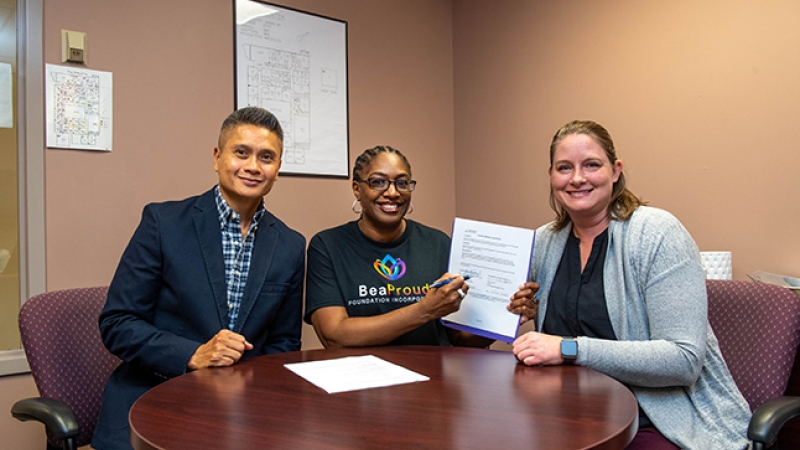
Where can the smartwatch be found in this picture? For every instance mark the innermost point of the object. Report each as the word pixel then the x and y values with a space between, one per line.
pixel 569 350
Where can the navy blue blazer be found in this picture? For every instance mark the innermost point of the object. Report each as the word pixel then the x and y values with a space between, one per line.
pixel 169 296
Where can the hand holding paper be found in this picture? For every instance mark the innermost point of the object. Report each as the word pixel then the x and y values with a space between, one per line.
pixel 524 301
pixel 497 258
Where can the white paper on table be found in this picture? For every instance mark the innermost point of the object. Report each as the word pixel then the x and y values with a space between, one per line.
pixel 497 260
pixel 352 373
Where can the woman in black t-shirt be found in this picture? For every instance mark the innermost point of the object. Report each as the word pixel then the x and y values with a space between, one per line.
pixel 369 281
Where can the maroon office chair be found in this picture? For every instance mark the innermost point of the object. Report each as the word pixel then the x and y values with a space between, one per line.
pixel 758 328
pixel 70 365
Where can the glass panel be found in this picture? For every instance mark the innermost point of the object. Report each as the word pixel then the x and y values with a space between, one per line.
pixel 9 195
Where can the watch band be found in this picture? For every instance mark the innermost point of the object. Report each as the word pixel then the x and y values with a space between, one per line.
pixel 569 350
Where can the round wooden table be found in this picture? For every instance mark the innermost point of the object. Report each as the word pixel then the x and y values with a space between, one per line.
pixel 475 399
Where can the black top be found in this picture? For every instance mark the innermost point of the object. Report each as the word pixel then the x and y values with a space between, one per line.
pixel 347 268
pixel 577 301
pixel 577 305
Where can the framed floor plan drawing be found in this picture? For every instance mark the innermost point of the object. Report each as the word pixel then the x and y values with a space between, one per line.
pixel 79 108
pixel 294 64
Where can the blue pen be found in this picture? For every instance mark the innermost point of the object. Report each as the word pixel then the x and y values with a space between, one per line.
pixel 439 284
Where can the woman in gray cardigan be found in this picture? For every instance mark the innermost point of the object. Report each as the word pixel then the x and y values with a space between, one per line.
pixel 622 292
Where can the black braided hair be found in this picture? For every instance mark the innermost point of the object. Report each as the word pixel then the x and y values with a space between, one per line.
pixel 363 161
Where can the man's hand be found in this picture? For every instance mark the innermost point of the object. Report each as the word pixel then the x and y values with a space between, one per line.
pixel 224 349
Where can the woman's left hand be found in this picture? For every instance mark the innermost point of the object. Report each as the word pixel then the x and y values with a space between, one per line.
pixel 524 301
pixel 533 348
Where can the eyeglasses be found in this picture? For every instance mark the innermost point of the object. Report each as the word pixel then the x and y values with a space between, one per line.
pixel 382 184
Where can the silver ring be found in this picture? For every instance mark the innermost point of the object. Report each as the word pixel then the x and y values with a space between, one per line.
pixel 461 293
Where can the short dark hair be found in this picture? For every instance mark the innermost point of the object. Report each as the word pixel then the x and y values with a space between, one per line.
pixel 365 158
pixel 623 201
pixel 250 115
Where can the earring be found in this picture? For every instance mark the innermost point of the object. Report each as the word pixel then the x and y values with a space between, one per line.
pixel 410 209
pixel 354 207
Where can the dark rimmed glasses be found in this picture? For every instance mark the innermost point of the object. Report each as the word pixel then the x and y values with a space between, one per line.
pixel 382 184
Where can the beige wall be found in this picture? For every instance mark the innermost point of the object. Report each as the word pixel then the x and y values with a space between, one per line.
pixel 699 97
pixel 702 99
pixel 173 85
pixel 19 435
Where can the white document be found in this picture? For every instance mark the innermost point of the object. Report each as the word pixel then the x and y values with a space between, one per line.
pixel 6 96
pixel 353 373
pixel 497 260
pixel 79 108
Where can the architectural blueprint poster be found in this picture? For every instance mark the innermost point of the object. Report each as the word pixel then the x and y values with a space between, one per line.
pixel 295 65
pixel 79 107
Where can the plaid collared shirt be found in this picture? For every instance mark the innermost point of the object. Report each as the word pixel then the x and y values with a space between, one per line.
pixel 236 252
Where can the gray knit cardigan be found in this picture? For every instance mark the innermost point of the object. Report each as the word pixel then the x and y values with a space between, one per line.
pixel 666 352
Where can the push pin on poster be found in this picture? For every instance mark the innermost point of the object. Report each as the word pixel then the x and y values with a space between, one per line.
pixel 73 47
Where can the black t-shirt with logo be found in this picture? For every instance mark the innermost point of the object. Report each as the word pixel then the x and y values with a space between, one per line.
pixel 369 278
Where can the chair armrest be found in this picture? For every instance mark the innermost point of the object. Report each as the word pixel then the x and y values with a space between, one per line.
pixel 55 415
pixel 769 418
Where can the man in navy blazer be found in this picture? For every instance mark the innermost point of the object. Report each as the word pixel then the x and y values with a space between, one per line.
pixel 204 281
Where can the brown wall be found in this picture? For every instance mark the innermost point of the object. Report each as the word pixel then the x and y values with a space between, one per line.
pixel 18 435
pixel 702 99
pixel 173 85
pixel 171 95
